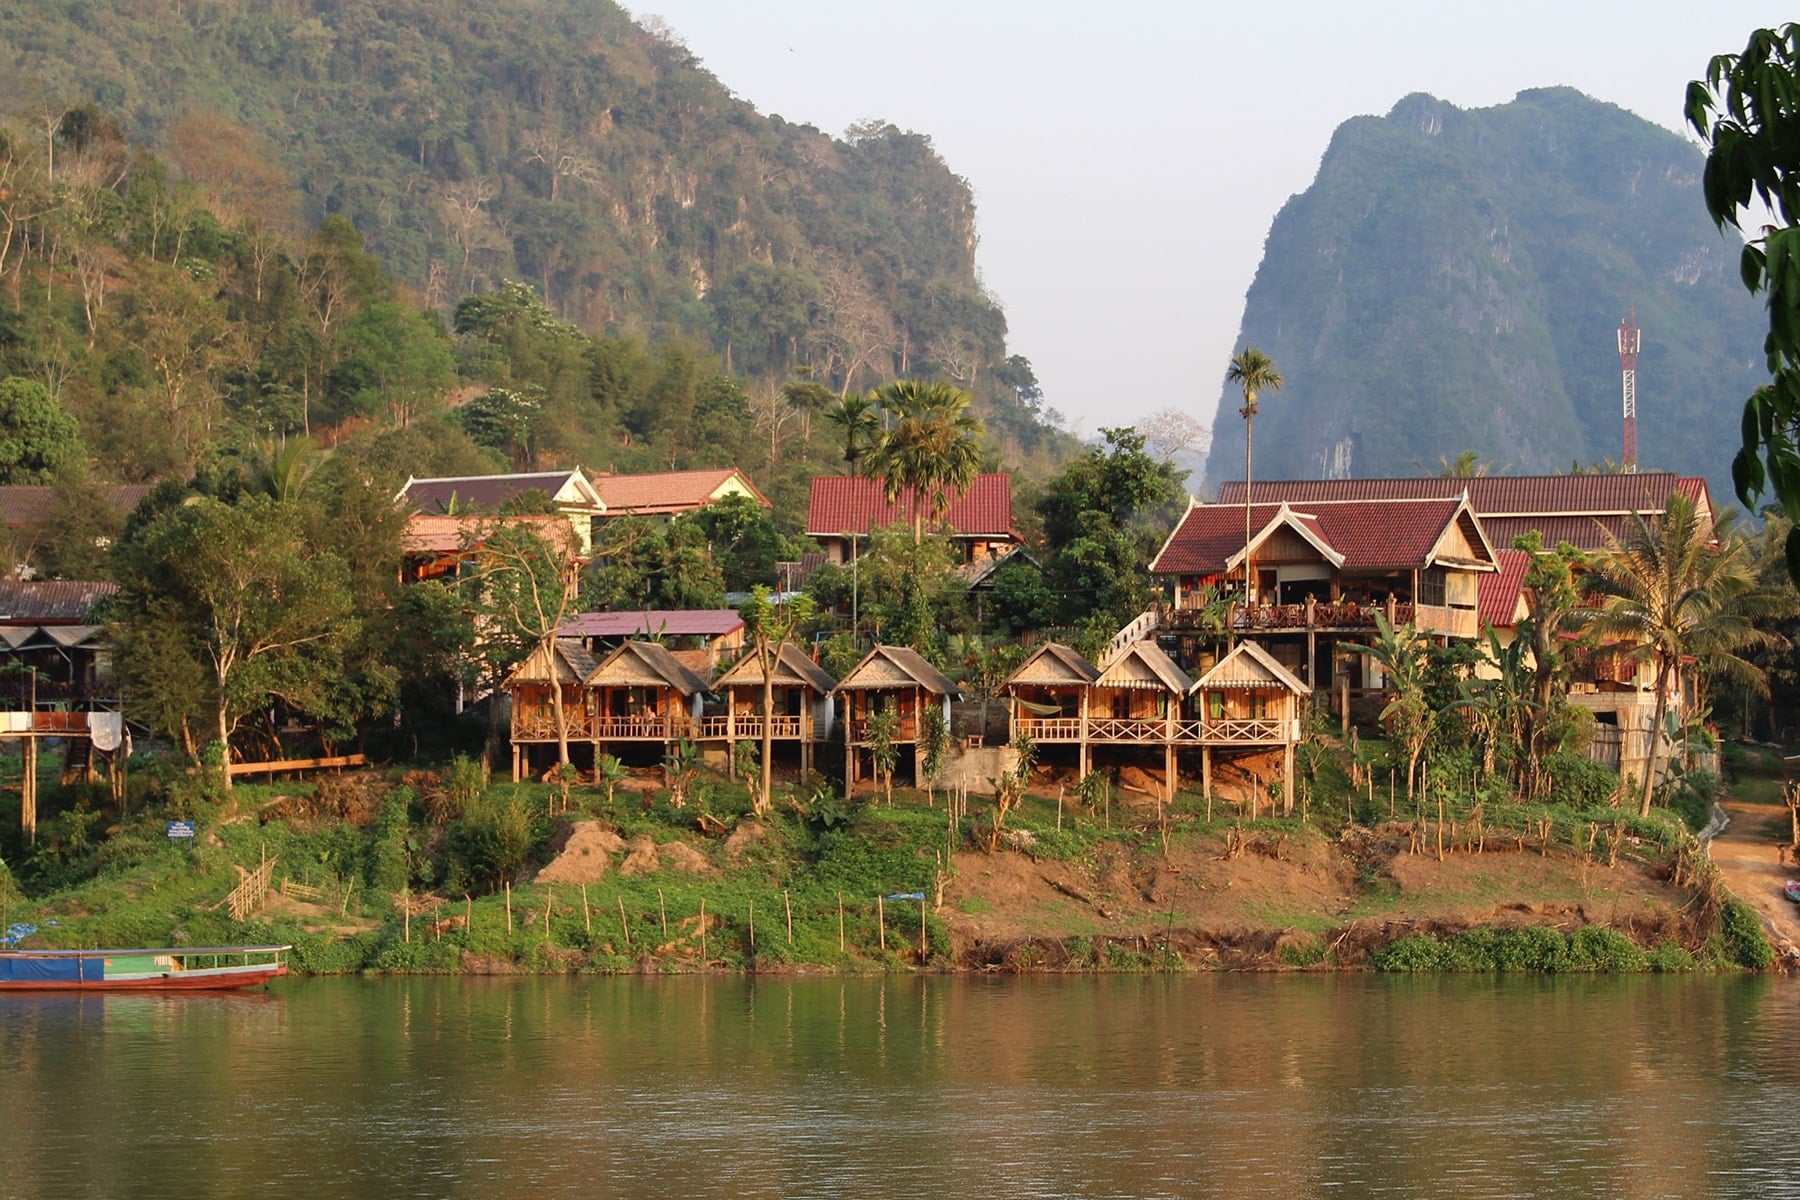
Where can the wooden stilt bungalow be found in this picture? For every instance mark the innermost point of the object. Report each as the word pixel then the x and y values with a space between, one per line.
pixel 803 708
pixel 1136 701
pixel 1049 694
pixel 643 693
pixel 533 686
pixel 1249 701
pixel 889 677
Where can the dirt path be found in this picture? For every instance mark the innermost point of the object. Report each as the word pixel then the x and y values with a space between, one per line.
pixel 1747 855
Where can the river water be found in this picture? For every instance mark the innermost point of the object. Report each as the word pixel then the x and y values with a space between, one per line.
pixel 923 1088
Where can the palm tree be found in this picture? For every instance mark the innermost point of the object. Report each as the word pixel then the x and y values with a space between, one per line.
pixel 858 419
pixel 1254 372
pixel 1466 465
pixel 933 446
pixel 1678 592
pixel 1401 651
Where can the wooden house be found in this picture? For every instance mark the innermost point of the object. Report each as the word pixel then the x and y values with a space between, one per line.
pixel 1248 702
pixel 663 494
pixel 533 686
pixel 643 693
pixel 1049 695
pixel 802 712
pixel 843 509
pixel 450 495
pixel 890 678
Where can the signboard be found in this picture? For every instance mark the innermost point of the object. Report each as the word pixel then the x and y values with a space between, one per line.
pixel 181 829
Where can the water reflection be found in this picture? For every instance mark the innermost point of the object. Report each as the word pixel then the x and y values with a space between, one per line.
pixel 1239 1086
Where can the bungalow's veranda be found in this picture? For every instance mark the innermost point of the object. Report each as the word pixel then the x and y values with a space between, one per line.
pixel 802 712
pixel 890 678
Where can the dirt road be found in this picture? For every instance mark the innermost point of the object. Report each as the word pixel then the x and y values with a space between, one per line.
pixel 1748 854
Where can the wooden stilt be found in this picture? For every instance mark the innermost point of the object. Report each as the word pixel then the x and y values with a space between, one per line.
pixel 28 791
pixel 1206 778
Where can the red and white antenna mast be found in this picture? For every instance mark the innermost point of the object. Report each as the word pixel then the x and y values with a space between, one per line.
pixel 1629 341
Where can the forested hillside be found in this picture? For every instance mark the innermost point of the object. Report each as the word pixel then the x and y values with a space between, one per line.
pixel 301 194
pixel 1453 280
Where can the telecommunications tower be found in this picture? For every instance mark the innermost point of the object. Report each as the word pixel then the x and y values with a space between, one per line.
pixel 1629 341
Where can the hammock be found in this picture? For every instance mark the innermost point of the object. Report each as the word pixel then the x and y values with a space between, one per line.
pixel 1038 710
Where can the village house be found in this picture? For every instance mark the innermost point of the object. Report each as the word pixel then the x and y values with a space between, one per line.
pixel 663 494
pixel 844 509
pixel 890 678
pixel 1325 571
pixel 533 685
pixel 440 546
pixel 477 495
pixel 803 707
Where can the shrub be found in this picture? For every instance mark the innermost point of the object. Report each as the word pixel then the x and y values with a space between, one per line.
pixel 1417 952
pixel 1744 938
pixel 1669 958
pixel 1598 948
pixel 1531 948
pixel 1302 953
pixel 1578 781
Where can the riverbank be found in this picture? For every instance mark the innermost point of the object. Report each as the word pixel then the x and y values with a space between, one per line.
pixel 402 874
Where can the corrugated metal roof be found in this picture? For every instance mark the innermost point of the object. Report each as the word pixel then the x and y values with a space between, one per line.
pixel 843 504
pixel 30 507
pixel 661 492
pixel 488 493
pixel 50 601
pixel 656 622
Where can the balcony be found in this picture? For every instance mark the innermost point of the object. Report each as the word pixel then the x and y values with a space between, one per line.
pixel 1341 617
pixel 748 726
pixel 1145 731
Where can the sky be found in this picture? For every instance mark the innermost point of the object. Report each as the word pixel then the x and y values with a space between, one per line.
pixel 1128 158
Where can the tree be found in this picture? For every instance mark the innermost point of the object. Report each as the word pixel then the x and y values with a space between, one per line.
pixel 1403 653
pixel 771 627
pixel 1253 371
pixel 526 588
pixel 1170 433
pixel 858 421
pixel 222 607
pixel 1747 109
pixel 36 436
pixel 933 447
pixel 1676 595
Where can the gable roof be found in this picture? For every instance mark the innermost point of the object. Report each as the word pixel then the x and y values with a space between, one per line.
pixel 660 493
pixel 645 664
pixel 978 574
pixel 842 504
pixel 1251 666
pixel 897 666
pixel 50 602
pixel 1054 663
pixel 1144 665
pixel 28 506
pixel 491 493
pixel 1499 595
pixel 792 669
pixel 1353 535
pixel 1571 508
pixel 572 661
pixel 655 622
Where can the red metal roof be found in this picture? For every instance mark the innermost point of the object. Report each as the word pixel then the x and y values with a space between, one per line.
pixel 843 504
pixel 663 492
pixel 1497 597
pixel 1370 534
pixel 699 622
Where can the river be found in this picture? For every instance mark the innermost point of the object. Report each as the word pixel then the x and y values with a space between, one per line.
pixel 931 1088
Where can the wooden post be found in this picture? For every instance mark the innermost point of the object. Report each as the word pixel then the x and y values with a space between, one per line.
pixel 28 789
pixel 405 918
pixel 924 945
pixel 1206 779
pixel 703 931
pixel 468 918
pixel 789 905
pixel 881 923
pixel 623 924
pixel 509 928
pixel 752 929
pixel 587 915
pixel 1059 799
pixel 1344 705
pixel 549 903
pixel 840 922
pixel 663 908
pixel 1287 774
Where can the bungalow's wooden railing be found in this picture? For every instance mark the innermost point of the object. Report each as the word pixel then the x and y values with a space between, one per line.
pixel 536 724
pixel 1241 731
pixel 748 725
pixel 646 728
pixel 906 731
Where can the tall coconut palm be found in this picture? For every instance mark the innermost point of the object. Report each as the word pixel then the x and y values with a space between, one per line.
pixel 932 446
pixel 1678 593
pixel 1253 372
pixel 858 421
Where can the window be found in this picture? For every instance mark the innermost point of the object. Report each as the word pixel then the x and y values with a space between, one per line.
pixel 1431 586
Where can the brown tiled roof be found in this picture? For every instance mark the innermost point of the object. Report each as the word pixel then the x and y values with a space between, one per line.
pixel 664 492
pixel 1369 534
pixel 29 507
pixel 888 666
pixel 1497 597
pixel 843 504
pixel 50 602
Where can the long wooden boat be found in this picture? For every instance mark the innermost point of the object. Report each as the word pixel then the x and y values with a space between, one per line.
pixel 180 968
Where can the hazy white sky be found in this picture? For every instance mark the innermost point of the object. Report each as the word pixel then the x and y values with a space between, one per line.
pixel 1128 158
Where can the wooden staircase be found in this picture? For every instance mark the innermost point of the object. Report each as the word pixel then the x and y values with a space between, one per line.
pixel 1144 625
